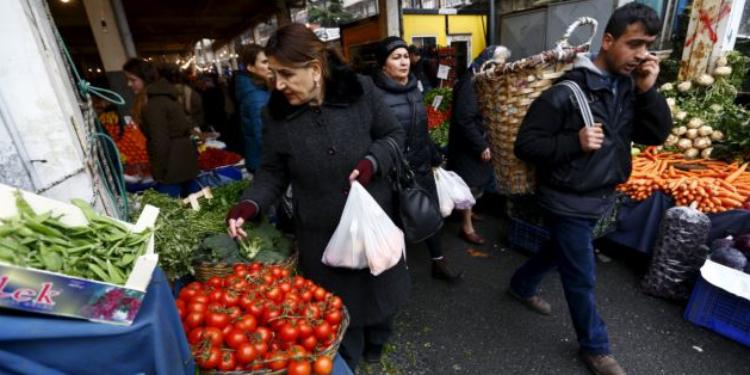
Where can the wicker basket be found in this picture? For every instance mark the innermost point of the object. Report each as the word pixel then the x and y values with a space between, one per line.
pixel 505 92
pixel 205 270
pixel 330 351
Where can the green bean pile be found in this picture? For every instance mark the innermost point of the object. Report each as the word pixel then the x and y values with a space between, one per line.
pixel 103 250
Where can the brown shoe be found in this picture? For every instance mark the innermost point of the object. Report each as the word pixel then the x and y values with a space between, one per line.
pixel 602 364
pixel 535 303
pixel 471 237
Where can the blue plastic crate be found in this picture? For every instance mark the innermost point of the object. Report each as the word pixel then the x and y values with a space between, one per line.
pixel 719 311
pixel 525 236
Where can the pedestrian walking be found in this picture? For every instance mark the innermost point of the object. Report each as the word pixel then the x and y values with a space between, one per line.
pixel 401 93
pixel 468 147
pixel 578 167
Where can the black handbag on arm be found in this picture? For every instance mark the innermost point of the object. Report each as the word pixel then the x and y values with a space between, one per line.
pixel 419 214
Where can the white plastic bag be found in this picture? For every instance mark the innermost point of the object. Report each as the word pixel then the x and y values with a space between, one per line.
pixel 443 191
pixel 365 236
pixel 452 192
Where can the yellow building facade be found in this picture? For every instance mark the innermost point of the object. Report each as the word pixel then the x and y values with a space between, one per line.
pixel 423 28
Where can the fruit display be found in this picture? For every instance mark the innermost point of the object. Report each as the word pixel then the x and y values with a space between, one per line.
pixel 262 319
pixel 129 139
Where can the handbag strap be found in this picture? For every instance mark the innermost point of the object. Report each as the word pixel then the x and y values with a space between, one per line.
pixel 583 103
pixel 401 168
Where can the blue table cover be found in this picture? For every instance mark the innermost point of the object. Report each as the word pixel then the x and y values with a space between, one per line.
pixel 638 223
pixel 154 344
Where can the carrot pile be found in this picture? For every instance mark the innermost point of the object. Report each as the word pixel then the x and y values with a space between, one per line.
pixel 713 186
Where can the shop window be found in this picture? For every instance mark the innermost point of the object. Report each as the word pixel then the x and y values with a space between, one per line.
pixel 424 41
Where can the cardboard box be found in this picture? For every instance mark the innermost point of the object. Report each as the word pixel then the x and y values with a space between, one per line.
pixel 52 293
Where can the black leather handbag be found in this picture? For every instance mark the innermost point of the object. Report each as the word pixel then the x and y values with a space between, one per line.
pixel 419 214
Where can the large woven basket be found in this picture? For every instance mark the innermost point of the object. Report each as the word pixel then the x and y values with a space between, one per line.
pixel 505 92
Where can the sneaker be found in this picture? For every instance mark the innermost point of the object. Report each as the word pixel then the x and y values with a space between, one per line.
pixel 602 364
pixel 535 303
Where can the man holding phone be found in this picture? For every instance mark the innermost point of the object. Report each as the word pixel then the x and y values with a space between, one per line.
pixel 578 168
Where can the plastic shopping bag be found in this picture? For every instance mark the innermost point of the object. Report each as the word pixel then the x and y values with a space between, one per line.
pixel 365 236
pixel 444 192
pixel 452 192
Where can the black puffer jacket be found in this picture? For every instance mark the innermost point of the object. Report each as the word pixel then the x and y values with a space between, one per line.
pixel 577 183
pixel 406 103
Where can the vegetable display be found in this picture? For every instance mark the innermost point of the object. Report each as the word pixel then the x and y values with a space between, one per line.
pixel 261 318
pixel 180 230
pixel 211 158
pixel 713 186
pixel 185 237
pixel 103 250
pixel 732 252
pixel 707 121
pixel 438 119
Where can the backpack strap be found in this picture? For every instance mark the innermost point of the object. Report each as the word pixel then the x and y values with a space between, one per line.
pixel 583 103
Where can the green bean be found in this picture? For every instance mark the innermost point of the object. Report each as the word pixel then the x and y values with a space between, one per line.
pixel 98 271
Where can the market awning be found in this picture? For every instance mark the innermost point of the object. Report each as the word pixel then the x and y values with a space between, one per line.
pixel 167 26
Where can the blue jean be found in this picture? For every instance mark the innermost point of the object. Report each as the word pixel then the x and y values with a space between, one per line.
pixel 570 250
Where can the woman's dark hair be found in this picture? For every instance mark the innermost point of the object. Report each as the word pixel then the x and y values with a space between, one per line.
pixel 631 13
pixel 295 44
pixel 249 53
pixel 141 69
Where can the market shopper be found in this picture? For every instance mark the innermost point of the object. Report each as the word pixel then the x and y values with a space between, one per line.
pixel 423 68
pixel 401 93
pixel 171 152
pixel 468 147
pixel 578 168
pixel 251 92
pixel 325 127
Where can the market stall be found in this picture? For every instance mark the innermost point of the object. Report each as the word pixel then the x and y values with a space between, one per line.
pixel 218 166
pixel 153 344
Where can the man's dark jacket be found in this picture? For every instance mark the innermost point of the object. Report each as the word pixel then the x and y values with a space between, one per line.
pixel 575 183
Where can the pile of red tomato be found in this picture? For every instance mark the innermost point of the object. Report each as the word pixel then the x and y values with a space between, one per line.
pixel 212 158
pixel 261 318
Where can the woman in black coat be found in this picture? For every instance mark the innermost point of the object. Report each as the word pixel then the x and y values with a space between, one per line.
pixel 401 93
pixel 468 147
pixel 325 127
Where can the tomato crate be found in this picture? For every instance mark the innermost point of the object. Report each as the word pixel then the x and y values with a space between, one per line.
pixel 719 311
pixel 525 236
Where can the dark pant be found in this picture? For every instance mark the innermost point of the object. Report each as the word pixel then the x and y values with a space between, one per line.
pixel 571 251
pixel 427 182
pixel 357 338
pixel 434 246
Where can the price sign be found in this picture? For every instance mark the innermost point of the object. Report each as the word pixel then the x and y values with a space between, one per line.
pixel 443 71
pixel 436 102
